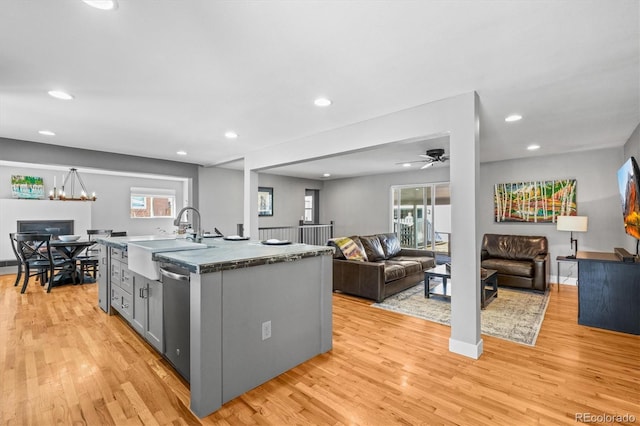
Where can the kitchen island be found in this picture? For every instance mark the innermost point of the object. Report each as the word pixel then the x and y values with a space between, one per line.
pixel 255 311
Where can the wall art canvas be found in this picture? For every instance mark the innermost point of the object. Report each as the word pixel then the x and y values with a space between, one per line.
pixel 27 187
pixel 535 201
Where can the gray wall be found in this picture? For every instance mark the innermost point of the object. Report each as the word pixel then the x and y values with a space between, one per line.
pixel 111 209
pixel 288 199
pixel 362 205
pixel 222 205
pixel 221 199
pixel 39 153
pixel 597 197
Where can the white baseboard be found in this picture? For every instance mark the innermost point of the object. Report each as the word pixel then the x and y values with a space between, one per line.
pixel 6 270
pixel 467 349
pixel 566 280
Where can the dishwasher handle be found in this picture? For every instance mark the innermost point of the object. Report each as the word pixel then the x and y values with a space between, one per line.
pixel 174 275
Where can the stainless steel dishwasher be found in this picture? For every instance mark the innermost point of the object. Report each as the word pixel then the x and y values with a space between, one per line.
pixel 175 285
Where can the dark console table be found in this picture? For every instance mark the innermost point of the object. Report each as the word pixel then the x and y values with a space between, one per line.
pixel 608 292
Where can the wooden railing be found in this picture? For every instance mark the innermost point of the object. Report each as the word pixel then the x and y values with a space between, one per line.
pixel 307 234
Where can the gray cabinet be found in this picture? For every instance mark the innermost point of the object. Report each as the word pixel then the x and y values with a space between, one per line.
pixel 147 310
pixel 104 287
pixel 121 284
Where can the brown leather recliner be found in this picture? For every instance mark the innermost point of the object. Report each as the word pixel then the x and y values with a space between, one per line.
pixel 386 270
pixel 521 260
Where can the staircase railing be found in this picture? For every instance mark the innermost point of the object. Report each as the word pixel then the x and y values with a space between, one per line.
pixel 307 234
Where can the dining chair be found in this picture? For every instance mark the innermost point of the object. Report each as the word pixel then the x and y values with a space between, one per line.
pixel 89 260
pixel 37 259
pixel 12 237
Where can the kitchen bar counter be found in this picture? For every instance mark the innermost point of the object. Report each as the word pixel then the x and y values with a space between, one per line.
pixel 255 311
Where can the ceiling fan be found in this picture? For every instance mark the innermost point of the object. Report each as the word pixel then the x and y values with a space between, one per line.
pixel 432 156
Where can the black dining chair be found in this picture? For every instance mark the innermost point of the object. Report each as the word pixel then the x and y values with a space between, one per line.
pixel 89 259
pixel 37 259
pixel 12 238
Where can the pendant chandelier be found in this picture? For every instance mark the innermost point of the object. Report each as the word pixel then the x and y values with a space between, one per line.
pixel 69 183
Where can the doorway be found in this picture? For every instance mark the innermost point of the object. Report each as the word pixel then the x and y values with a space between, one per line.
pixel 421 216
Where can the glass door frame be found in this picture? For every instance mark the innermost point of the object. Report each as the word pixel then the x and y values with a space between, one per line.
pixel 426 215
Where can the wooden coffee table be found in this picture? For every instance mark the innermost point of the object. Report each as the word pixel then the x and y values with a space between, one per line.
pixel 488 283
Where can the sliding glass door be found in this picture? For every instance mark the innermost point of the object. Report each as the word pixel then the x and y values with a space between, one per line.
pixel 421 216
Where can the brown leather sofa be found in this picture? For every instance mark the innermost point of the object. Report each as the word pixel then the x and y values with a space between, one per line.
pixel 521 260
pixel 386 269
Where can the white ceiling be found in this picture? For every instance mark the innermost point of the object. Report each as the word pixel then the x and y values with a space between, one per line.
pixel 157 76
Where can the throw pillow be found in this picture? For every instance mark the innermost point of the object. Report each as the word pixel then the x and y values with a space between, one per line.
pixel 372 247
pixel 349 248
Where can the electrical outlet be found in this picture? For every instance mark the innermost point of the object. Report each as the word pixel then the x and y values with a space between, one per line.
pixel 266 330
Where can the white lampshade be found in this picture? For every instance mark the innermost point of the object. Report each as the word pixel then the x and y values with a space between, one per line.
pixel 572 223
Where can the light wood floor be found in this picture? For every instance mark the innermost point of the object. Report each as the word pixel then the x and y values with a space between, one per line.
pixel 63 361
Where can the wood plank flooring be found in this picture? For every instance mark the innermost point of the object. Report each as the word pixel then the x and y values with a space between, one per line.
pixel 63 361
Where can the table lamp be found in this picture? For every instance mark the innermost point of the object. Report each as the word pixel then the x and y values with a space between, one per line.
pixel 572 224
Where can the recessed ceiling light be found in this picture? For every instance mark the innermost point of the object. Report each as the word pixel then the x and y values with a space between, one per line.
pixel 59 94
pixel 322 102
pixel 102 4
pixel 513 117
pixel 406 165
pixel 326 175
pixel 181 152
pixel 231 135
pixel 533 147
pixel 46 132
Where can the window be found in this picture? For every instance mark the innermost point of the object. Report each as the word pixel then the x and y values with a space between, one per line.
pixel 152 203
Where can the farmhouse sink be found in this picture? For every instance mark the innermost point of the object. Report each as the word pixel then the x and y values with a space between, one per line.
pixel 141 253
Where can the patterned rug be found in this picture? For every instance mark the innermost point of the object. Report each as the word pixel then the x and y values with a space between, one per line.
pixel 515 315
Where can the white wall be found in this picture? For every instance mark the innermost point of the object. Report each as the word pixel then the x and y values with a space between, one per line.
pixel 111 210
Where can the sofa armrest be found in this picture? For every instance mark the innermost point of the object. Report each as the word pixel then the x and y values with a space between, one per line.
pixel 541 273
pixel 364 279
pixel 484 254
pixel 416 252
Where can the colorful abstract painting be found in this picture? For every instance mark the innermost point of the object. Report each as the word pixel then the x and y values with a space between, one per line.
pixel 27 187
pixel 534 202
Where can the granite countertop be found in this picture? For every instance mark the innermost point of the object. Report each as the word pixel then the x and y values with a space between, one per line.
pixel 222 254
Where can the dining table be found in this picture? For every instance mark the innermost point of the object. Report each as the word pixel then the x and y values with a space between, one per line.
pixel 71 250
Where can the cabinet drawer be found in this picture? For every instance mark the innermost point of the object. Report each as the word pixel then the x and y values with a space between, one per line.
pixel 116 273
pixel 116 253
pixel 126 281
pixel 122 302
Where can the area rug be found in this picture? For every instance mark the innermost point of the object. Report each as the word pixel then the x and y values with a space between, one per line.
pixel 515 315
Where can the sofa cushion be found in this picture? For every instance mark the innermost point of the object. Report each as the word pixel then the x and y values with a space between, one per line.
pixel 426 262
pixel 410 266
pixel 521 268
pixel 372 247
pixel 350 250
pixel 390 244
pixel 393 272
pixel 519 247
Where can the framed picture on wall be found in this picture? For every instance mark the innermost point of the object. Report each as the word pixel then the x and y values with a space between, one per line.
pixel 265 201
pixel 27 187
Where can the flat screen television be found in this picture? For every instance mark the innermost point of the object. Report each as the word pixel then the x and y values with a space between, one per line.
pixel 629 185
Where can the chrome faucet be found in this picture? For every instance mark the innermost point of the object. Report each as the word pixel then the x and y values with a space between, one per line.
pixel 196 223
